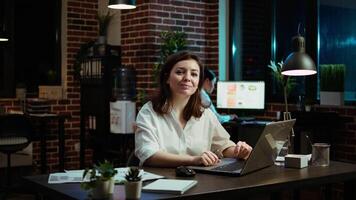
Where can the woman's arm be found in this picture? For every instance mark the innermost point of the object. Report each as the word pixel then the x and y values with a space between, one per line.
pixel 164 159
pixel 240 150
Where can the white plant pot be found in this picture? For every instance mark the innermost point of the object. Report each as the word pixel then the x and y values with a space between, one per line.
pixel 103 189
pixel 21 93
pixel 308 108
pixel 133 189
pixel 331 98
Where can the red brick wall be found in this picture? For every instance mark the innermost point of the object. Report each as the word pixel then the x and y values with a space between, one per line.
pixel 142 26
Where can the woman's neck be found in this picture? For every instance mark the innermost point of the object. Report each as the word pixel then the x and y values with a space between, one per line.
pixel 178 105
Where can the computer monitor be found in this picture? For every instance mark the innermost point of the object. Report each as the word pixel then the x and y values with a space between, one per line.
pixel 241 95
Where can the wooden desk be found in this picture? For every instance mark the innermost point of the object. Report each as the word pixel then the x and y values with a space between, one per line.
pixel 268 180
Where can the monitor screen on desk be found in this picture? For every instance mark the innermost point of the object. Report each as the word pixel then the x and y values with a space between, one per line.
pixel 241 94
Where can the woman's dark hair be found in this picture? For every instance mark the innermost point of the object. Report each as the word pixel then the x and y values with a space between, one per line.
pixel 162 104
pixel 209 74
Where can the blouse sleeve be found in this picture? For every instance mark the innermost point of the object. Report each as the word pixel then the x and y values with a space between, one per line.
pixel 146 142
pixel 221 138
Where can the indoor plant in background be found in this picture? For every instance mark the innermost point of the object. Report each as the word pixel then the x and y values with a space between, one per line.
pixel 133 184
pixel 104 21
pixel 172 42
pixel 281 80
pixel 99 180
pixel 332 84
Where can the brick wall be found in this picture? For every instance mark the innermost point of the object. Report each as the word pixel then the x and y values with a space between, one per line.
pixel 142 26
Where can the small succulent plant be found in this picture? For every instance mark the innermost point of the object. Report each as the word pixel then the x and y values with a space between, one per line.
pixel 102 172
pixel 133 174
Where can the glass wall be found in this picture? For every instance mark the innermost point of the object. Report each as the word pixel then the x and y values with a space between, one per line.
pixel 337 39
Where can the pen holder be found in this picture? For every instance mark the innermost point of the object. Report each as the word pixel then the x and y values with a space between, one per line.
pixel 320 154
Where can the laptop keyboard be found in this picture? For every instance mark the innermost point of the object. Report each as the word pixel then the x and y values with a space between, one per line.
pixel 230 167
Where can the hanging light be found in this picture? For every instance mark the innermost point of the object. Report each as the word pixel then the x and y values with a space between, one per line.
pixel 298 63
pixel 122 4
pixel 3 37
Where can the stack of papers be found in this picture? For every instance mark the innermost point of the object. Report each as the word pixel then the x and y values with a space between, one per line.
pixel 75 176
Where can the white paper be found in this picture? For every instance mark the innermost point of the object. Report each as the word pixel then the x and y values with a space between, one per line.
pixel 75 176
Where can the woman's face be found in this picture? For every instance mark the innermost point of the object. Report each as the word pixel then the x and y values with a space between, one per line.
pixel 209 85
pixel 183 79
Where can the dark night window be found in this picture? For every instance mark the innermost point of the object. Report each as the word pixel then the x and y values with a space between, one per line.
pixel 34 47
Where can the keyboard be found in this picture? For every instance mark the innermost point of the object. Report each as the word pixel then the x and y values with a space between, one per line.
pixel 245 119
pixel 230 167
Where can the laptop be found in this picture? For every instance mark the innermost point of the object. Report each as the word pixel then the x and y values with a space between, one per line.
pixel 263 154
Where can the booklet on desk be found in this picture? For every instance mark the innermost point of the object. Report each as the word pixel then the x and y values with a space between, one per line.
pixel 171 186
pixel 76 176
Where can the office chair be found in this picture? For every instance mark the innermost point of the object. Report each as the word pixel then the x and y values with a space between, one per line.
pixel 15 135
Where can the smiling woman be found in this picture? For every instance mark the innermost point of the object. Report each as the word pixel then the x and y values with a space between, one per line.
pixel 33 51
pixel 175 128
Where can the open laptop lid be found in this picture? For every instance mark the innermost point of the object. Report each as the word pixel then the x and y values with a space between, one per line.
pixel 265 151
pixel 263 154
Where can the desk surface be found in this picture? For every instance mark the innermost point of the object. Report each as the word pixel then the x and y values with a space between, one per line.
pixel 271 179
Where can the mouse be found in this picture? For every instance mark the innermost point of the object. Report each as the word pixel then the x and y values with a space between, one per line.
pixel 184 171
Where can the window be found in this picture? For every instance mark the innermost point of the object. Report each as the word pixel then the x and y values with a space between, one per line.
pixel 34 47
pixel 262 31
pixel 337 39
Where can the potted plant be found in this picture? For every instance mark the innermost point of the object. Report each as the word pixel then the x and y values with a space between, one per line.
pixel 133 184
pixel 332 84
pixel 280 79
pixel 104 21
pixel 21 91
pixel 173 41
pixel 99 180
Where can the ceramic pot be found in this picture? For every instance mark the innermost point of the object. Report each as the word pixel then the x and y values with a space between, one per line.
pixel 133 189
pixel 331 98
pixel 103 189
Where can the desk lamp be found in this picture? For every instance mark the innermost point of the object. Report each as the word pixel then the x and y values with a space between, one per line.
pixel 298 63
pixel 122 4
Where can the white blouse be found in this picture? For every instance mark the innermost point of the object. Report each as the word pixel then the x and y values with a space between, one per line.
pixel 163 132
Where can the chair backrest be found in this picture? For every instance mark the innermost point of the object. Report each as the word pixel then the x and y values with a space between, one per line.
pixel 15 125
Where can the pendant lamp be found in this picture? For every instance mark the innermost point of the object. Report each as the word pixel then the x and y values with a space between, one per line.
pixel 122 4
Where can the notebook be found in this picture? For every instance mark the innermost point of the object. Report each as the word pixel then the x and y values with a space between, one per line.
pixel 263 154
pixel 171 186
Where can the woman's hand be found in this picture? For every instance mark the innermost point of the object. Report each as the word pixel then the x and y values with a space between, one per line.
pixel 208 158
pixel 242 150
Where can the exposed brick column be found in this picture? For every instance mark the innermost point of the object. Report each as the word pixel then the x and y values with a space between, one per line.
pixel 142 26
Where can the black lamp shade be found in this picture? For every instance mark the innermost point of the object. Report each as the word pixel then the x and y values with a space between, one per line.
pixel 4 37
pixel 298 63
pixel 122 4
